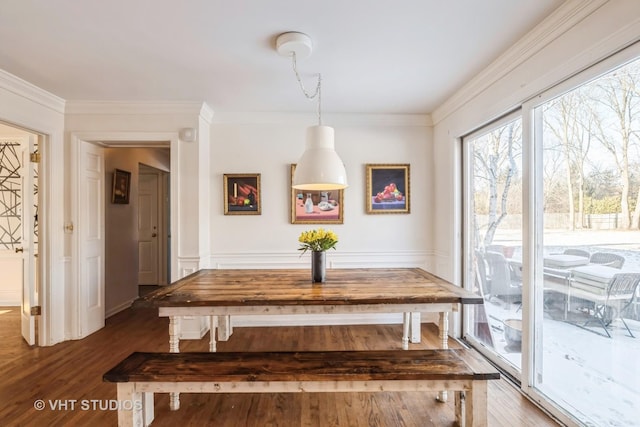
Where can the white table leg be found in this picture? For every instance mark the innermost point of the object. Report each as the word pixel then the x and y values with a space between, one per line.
pixel 174 334
pixel 444 344
pixel 406 320
pixel 213 325
pixel 224 328
pixel 174 347
pixel 416 328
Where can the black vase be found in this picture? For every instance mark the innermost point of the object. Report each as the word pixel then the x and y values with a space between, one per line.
pixel 318 266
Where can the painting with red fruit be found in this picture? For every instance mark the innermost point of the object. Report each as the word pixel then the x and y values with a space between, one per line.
pixel 242 194
pixel 387 188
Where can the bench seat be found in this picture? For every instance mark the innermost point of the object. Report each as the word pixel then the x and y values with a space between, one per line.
pixel 461 370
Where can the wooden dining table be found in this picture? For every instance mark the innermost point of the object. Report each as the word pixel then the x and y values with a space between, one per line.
pixel 221 293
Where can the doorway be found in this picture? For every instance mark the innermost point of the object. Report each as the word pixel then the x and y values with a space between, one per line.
pixel 19 202
pixel 124 151
pixel 153 228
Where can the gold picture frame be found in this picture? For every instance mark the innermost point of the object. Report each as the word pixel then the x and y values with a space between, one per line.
pixel 121 187
pixel 328 206
pixel 388 189
pixel 242 194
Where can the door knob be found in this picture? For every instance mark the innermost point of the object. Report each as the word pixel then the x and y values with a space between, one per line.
pixel 154 235
pixel 19 250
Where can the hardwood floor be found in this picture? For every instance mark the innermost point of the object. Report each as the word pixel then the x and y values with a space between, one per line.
pixel 71 373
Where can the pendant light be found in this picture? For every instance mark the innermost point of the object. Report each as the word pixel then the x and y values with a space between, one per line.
pixel 320 168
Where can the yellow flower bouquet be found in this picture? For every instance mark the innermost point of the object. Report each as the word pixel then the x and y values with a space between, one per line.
pixel 318 240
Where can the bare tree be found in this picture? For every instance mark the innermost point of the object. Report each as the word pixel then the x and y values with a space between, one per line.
pixel 496 165
pixel 567 120
pixel 617 93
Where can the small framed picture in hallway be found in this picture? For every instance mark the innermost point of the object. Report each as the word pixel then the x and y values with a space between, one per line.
pixel 121 186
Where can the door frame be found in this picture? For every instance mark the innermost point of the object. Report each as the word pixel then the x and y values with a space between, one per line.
pixel 117 140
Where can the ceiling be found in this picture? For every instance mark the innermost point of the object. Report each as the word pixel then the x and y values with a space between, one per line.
pixel 383 56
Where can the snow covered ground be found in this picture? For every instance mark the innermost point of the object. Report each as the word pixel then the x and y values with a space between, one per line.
pixel 596 377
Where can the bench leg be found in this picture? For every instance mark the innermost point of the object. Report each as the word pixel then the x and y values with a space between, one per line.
pixel 174 347
pixel 443 326
pixel 475 412
pixel 148 414
pixel 460 408
pixel 130 409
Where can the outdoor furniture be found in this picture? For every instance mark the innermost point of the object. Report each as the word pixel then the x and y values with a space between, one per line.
pixel 621 292
pixel 607 258
pixel 594 278
pixel 578 252
pixel 501 277
pixel 481 270
pixel 559 265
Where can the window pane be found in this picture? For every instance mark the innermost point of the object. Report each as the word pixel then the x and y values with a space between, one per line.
pixel 494 220
pixel 590 211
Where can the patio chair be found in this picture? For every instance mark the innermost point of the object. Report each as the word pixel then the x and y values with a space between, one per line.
pixel 577 252
pixel 621 293
pixel 481 275
pixel 608 259
pixel 501 278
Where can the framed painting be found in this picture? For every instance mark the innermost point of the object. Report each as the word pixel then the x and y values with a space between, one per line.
pixel 388 189
pixel 316 207
pixel 242 194
pixel 121 187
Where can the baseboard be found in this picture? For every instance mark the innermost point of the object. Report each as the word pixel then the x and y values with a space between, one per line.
pixel 117 309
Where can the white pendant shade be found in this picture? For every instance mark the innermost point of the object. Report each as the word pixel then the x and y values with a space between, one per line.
pixel 320 168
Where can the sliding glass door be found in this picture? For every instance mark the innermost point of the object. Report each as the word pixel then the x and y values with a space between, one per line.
pixel 552 243
pixel 494 238
pixel 587 173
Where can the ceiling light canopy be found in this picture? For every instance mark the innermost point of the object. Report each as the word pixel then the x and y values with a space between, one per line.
pixel 320 168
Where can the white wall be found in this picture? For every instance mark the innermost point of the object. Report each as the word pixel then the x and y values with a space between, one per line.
pixel 576 36
pixel 24 105
pixel 269 144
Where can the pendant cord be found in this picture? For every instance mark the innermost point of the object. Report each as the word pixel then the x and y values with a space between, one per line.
pixel 317 93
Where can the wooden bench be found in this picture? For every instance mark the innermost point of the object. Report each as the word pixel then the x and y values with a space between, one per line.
pixel 460 370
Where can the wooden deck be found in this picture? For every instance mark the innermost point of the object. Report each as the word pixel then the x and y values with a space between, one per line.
pixel 72 371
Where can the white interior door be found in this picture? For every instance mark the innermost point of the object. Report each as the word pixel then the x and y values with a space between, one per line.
pixel 148 232
pixel 11 166
pixel 91 237
pixel 29 243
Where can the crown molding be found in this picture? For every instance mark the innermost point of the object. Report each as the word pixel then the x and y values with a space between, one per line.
pixel 206 112
pixel 33 93
pixel 136 107
pixel 559 22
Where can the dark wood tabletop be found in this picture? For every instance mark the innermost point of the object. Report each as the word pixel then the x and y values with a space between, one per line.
pixel 248 287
